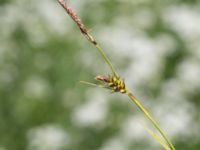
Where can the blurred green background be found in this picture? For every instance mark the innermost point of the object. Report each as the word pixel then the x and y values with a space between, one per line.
pixel 153 44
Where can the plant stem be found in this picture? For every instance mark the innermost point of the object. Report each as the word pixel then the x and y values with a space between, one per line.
pixel 146 113
pixel 90 38
pixel 86 33
pixel 106 60
pixel 158 139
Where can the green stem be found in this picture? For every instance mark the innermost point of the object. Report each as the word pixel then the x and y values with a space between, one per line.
pixel 92 40
pixel 106 59
pixel 132 97
pixel 158 139
pixel 135 100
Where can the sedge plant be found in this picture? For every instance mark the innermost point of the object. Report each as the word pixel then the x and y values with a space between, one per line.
pixel 114 82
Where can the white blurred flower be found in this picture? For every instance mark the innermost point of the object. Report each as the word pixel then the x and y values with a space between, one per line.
pixel 36 87
pixel 47 137
pixel 188 73
pixel 93 111
pixel 133 129
pixel 115 143
pixel 184 19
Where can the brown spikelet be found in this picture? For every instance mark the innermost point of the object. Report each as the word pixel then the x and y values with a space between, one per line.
pixel 78 21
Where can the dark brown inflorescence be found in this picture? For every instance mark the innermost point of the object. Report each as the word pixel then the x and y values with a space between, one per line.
pixel 78 21
pixel 113 82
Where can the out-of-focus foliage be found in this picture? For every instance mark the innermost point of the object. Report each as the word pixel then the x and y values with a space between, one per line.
pixel 154 45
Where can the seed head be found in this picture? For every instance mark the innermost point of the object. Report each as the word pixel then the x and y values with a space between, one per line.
pixel 113 82
pixel 78 21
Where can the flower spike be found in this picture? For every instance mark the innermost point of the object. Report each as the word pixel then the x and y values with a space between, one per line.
pixel 113 82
